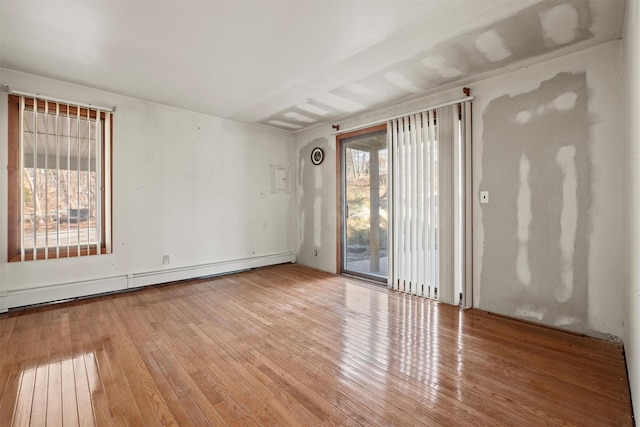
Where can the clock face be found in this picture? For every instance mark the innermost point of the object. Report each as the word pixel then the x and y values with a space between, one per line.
pixel 317 156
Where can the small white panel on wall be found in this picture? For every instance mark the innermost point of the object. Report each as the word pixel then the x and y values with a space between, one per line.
pixel 280 179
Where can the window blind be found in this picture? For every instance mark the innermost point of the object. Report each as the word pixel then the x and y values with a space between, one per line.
pixel 63 192
pixel 431 205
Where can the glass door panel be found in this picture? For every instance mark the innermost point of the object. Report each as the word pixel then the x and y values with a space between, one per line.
pixel 365 205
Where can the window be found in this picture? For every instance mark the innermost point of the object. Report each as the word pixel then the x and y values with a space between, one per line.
pixel 59 179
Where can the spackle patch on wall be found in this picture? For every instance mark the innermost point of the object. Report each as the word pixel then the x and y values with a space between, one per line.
pixel 568 219
pixel 524 222
pixel 311 180
pixel 536 165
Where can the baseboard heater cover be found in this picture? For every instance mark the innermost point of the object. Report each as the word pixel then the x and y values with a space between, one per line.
pixel 68 291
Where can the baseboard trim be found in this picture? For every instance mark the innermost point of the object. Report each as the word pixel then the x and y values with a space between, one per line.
pixel 212 269
pixel 65 291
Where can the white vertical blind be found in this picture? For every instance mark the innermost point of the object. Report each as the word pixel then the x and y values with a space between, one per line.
pixel 447 126
pixel 429 155
pixel 68 177
pixel 466 278
pixel 107 182
pixel 34 180
pixel 98 182
pixel 21 171
pixel 46 181
pixel 391 232
pixel 78 196
pixel 61 171
pixel 57 142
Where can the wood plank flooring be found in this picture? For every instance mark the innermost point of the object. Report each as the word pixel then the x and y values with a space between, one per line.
pixel 288 345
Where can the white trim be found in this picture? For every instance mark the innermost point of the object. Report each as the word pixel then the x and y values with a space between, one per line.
pixel 467 293
pixel 65 291
pixel 21 298
pixel 182 273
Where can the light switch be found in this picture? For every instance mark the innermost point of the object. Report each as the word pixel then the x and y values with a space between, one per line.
pixel 484 197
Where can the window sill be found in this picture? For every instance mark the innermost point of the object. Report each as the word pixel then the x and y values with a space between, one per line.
pixel 67 252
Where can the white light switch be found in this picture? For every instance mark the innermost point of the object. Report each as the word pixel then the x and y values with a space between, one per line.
pixel 484 197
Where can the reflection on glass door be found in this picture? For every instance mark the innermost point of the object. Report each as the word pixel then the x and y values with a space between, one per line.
pixel 365 205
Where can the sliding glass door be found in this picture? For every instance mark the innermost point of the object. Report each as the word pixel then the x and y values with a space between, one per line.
pixel 365 204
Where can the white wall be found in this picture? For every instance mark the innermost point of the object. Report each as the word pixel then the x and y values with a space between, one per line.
pixel 316 202
pixel 602 285
pixel 632 308
pixel 193 186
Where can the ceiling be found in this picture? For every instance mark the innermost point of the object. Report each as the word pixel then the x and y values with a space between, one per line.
pixel 289 64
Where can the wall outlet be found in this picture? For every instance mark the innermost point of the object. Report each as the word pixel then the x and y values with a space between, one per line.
pixel 484 197
pixel 316 252
pixel 166 259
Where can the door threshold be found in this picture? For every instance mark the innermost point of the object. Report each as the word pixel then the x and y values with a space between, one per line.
pixel 365 279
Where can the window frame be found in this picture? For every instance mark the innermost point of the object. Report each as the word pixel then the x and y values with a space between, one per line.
pixel 14 181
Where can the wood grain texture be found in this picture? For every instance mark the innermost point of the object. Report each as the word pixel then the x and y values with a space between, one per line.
pixel 288 345
pixel 14 178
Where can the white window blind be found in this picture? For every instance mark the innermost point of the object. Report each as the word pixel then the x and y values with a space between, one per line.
pixel 64 195
pixel 431 207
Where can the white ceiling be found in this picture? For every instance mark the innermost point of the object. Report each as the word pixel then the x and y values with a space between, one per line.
pixel 289 63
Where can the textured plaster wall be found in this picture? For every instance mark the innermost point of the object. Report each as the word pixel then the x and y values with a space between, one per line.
pixel 316 202
pixel 548 144
pixel 549 148
pixel 632 308
pixel 535 163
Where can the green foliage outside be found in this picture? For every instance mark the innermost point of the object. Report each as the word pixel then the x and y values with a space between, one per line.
pixel 359 218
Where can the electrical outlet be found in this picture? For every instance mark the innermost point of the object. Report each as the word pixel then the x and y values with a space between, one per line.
pixel 484 197
pixel 316 252
pixel 166 259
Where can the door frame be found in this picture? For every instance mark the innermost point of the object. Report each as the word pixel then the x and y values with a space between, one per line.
pixel 340 224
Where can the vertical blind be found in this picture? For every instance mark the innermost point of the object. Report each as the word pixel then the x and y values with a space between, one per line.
pixel 63 156
pixel 430 152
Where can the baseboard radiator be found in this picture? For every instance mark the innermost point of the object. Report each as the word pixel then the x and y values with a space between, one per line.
pixel 10 299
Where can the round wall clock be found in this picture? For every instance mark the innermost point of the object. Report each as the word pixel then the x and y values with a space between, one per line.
pixel 317 156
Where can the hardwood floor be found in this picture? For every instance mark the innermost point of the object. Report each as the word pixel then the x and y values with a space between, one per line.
pixel 288 345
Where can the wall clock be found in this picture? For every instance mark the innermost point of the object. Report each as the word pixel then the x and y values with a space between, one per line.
pixel 317 156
